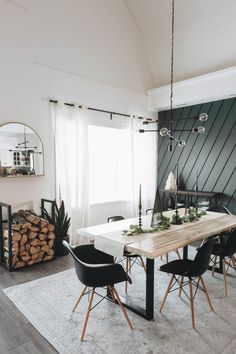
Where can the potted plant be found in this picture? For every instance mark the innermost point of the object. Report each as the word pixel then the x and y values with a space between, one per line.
pixel 62 222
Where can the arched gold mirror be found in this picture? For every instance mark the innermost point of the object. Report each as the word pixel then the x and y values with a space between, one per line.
pixel 21 151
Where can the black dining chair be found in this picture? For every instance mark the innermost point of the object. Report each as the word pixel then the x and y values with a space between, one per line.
pixel 219 209
pixel 149 211
pixel 115 218
pixel 219 238
pixel 97 269
pixel 223 254
pixel 130 258
pixel 223 210
pixel 192 270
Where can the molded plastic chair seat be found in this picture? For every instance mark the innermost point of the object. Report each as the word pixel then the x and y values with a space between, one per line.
pixel 115 218
pixel 129 254
pixel 178 266
pixel 97 269
pixel 217 249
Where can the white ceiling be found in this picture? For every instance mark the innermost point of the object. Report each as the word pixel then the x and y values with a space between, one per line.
pixel 205 36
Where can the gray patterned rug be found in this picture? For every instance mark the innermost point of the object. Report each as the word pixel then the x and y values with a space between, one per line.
pixel 47 304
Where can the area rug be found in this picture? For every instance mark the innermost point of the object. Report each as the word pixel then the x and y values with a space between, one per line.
pixel 47 304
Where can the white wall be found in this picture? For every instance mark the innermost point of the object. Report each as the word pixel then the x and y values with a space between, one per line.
pixel 89 38
pixel 205 88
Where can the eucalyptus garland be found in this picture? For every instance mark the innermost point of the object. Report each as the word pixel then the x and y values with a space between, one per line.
pixel 165 222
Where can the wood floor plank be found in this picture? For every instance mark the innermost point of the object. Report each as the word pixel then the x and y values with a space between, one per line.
pixel 17 335
pixel 4 348
pixel 38 341
pixel 12 334
pixel 26 348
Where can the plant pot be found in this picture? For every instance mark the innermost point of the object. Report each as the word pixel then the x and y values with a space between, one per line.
pixel 61 250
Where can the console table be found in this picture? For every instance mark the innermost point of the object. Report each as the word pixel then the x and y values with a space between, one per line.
pixel 188 195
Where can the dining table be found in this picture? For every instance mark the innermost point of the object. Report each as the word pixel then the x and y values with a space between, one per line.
pixel 113 239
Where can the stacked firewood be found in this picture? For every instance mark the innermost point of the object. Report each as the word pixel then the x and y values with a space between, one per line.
pixel 32 239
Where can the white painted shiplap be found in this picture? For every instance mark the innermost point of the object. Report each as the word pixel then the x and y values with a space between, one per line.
pixel 205 36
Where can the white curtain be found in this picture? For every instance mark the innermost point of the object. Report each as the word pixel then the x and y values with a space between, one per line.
pixel 144 166
pixel 71 160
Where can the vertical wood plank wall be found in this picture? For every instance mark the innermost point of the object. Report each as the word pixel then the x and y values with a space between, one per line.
pixel 212 154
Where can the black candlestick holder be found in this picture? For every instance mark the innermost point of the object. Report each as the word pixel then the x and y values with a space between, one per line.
pixel 176 219
pixel 140 216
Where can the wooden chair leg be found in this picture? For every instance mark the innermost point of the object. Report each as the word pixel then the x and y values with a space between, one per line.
pixel 206 292
pixel 143 264
pixel 233 261
pixel 167 292
pixel 192 303
pixel 225 277
pixel 113 289
pixel 87 315
pixel 81 295
pixel 181 285
pixel 111 292
pixel 127 270
pixel 177 251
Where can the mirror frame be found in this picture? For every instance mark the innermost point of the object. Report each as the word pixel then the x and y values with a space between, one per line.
pixel 43 167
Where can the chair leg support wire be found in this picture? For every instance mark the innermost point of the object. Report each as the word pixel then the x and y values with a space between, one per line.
pixel 227 262
pixel 191 282
pixel 114 298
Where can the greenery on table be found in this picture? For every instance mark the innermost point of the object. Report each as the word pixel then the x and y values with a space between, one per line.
pixel 193 215
pixel 165 222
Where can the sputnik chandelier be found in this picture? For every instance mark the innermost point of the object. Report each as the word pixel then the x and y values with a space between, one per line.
pixel 202 117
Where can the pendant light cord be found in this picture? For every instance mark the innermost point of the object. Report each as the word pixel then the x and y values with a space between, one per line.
pixel 172 73
pixel 172 56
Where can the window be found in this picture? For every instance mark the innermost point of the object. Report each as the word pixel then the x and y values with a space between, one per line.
pixel 109 164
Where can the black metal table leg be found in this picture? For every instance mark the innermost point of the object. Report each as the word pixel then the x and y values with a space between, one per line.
pixel 185 252
pixel 148 311
pixel 149 289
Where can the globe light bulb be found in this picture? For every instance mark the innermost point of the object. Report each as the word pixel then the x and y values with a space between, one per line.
pixel 164 131
pixel 203 117
pixel 181 143
pixel 195 130
pixel 201 130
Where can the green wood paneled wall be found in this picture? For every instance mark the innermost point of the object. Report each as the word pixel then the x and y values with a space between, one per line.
pixel 212 154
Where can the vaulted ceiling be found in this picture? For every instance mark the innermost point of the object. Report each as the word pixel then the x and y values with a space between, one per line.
pixel 205 36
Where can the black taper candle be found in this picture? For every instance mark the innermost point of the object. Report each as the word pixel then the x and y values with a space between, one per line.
pixel 140 207
pixel 177 182
pixel 196 192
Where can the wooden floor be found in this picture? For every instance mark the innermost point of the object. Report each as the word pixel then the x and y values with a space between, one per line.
pixel 17 335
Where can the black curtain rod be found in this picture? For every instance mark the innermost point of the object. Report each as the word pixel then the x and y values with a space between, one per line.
pixel 100 110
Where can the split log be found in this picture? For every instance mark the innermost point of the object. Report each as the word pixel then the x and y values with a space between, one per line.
pixel 51 227
pixel 16 236
pixel 24 239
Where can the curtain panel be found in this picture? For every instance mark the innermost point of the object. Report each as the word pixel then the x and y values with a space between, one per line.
pixel 71 162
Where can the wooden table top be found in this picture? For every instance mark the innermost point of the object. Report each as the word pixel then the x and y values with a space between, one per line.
pixel 154 244
pixel 166 241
